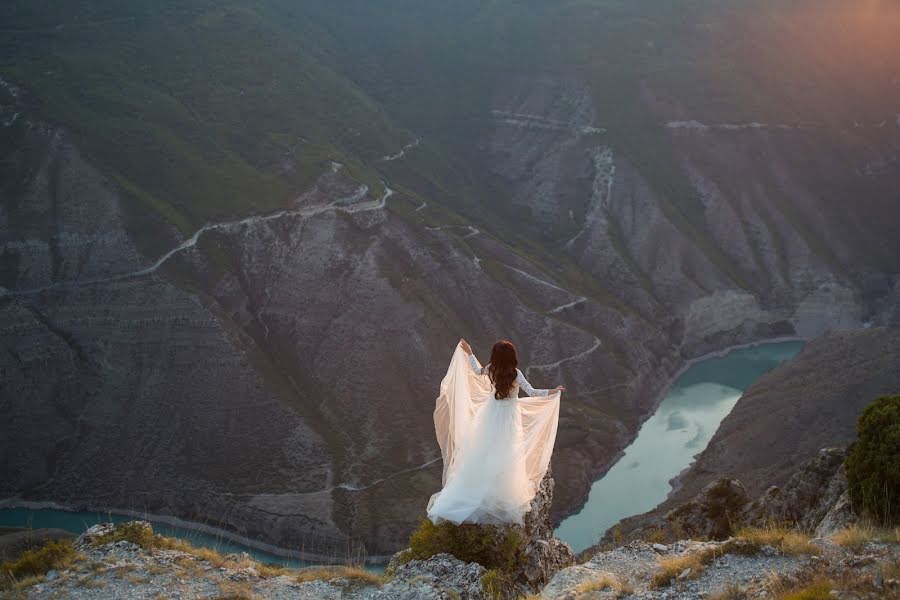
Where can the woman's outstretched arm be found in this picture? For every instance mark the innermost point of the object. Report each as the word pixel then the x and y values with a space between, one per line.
pixel 526 387
pixel 473 362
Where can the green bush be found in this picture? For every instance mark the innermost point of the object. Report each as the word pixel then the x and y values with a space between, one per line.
pixel 492 547
pixel 55 554
pixel 873 465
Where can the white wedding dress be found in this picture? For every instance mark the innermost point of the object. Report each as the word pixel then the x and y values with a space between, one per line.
pixel 495 452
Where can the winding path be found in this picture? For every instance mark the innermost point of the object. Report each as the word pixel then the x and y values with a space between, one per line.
pixel 402 153
pixel 350 204
pixel 553 311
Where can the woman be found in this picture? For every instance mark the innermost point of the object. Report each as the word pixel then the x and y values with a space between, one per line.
pixel 496 446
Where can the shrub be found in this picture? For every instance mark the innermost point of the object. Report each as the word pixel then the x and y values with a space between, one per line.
pixel 491 547
pixel 53 555
pixel 136 532
pixel 873 464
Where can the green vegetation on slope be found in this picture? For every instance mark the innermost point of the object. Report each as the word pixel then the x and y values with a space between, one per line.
pixel 873 466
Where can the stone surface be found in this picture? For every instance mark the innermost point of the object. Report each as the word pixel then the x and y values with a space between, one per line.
pixel 807 497
pixel 439 577
pixel 542 556
pixel 713 511
pixel 840 516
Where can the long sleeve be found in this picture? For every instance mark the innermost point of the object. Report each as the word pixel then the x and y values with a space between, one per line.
pixel 526 387
pixel 475 366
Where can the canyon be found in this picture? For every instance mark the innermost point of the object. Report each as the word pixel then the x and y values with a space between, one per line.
pixel 266 361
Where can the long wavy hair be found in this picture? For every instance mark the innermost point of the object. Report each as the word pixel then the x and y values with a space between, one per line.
pixel 502 368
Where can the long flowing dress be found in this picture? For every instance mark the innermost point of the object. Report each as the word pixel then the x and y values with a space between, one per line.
pixel 495 452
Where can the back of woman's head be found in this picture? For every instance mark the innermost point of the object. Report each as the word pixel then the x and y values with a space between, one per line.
pixel 502 368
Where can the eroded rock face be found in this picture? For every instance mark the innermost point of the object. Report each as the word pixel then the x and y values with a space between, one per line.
pixel 263 350
pixel 714 510
pixel 441 577
pixel 542 554
pixel 807 497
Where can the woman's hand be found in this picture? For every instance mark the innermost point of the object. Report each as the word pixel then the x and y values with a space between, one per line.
pixel 559 388
pixel 465 346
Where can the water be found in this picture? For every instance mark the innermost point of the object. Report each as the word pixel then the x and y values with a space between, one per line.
pixel 681 428
pixel 77 522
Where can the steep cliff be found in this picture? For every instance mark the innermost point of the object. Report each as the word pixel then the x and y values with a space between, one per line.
pixel 230 281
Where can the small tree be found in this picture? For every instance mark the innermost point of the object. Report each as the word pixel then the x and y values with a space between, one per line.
pixel 873 465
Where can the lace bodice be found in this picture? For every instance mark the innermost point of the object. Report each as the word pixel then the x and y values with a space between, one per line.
pixel 520 382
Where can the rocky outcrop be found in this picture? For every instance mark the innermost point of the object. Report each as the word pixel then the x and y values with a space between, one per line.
pixel 772 440
pixel 713 513
pixel 808 497
pixel 127 560
pixel 814 500
pixel 544 554
pixel 441 577
pixel 539 556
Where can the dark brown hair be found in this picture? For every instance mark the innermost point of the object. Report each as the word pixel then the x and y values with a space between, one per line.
pixel 502 368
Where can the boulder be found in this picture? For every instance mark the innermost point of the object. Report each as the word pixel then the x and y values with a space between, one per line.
pixel 839 517
pixel 713 511
pixel 441 577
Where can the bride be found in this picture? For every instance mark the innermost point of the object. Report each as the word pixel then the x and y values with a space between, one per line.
pixel 496 446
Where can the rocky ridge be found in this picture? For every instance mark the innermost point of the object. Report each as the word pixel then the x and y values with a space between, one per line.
pixel 759 563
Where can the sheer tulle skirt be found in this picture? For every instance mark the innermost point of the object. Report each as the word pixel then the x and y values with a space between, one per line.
pixel 495 452
pixel 489 483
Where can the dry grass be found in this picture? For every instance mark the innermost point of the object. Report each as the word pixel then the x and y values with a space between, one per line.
pixel 236 591
pixel 673 566
pixel 54 555
pixel 352 574
pixel 654 535
pixel 91 582
pixel 731 592
pixel 818 590
pixel 605 582
pixel 786 541
pixel 857 536
pixel 138 580
pixel 891 570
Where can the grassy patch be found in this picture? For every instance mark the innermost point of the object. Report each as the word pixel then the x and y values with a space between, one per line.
pixel 349 573
pixel 141 533
pixel 671 567
pixel 820 590
pixel 498 549
pixel 494 582
pixel 732 591
pixel 54 555
pixel 136 532
pixel 786 541
pixel 857 536
pixel 604 582
pixel 486 545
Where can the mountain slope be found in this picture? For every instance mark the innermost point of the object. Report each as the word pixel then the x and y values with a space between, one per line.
pixel 259 228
